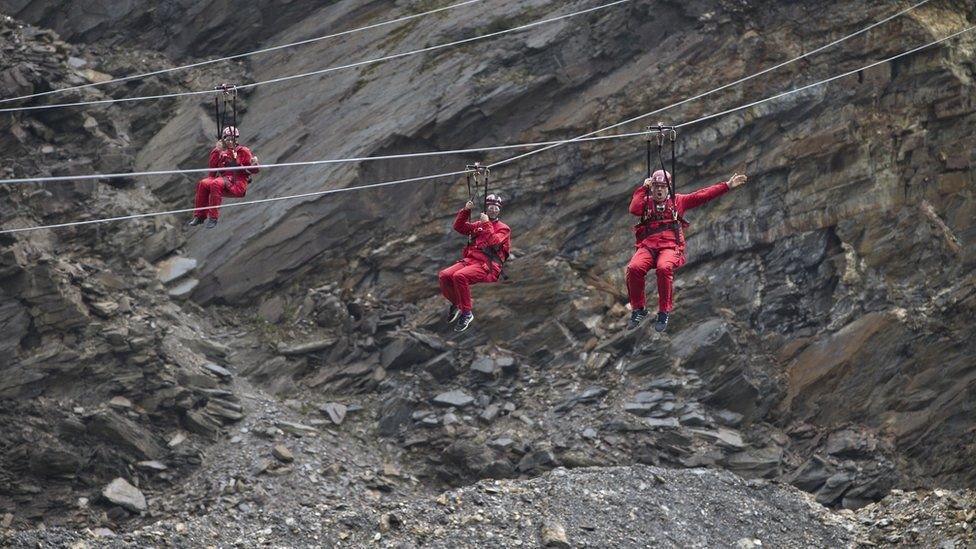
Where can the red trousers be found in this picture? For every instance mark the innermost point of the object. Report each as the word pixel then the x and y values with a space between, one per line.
pixel 457 279
pixel 665 261
pixel 211 191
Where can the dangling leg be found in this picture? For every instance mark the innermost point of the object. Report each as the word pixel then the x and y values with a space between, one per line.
pixel 446 280
pixel 216 199
pixel 668 261
pixel 463 278
pixel 218 188
pixel 235 188
pixel 201 201
pixel 640 263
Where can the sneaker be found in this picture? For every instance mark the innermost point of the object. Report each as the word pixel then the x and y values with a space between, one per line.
pixel 464 322
pixel 195 221
pixel 636 318
pixel 452 314
pixel 211 223
pixel 662 322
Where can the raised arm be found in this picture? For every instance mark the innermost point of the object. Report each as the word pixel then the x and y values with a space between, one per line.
pixel 701 196
pixel 461 223
pixel 637 200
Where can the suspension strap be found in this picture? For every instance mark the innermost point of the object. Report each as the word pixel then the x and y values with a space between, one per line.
pixel 484 206
pixel 220 129
pixel 647 165
pixel 669 133
pixel 477 171
pixel 674 162
pixel 226 93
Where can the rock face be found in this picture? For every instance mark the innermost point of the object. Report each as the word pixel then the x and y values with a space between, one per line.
pixel 97 364
pixel 93 20
pixel 812 258
pixel 822 326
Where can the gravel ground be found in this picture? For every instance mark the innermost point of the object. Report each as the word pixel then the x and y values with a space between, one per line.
pixel 637 506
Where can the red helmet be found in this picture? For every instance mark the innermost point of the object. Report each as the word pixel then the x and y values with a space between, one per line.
pixel 661 177
pixel 493 199
pixel 231 131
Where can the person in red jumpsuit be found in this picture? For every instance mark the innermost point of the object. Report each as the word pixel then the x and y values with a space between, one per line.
pixel 489 241
pixel 211 190
pixel 661 240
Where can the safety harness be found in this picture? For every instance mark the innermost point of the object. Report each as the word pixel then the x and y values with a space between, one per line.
pixel 475 171
pixel 659 222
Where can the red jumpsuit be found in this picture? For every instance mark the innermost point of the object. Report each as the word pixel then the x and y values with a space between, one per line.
pixel 211 190
pixel 663 249
pixel 474 266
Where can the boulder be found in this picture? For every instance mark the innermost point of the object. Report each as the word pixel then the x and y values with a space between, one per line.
pixel 848 443
pixel 537 462
pixel 335 411
pixel 834 487
pixel 553 534
pixel 306 348
pixel 442 367
pixel 484 365
pixel 272 309
pixel 201 423
pixel 406 351
pixel 183 289
pixel 763 462
pixel 456 398
pixel 174 269
pixel 125 434
pixel 811 475
pixel 395 412
pixel 125 495
pixel 705 346
pixel 282 453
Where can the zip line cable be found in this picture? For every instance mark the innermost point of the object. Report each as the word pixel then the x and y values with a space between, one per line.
pixel 825 81
pixel 720 88
pixel 321 71
pixel 120 175
pixel 240 55
pixel 449 174
pixel 245 203
pixel 547 145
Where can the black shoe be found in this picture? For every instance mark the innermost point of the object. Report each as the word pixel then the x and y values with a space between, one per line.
pixel 662 322
pixel 211 223
pixel 464 322
pixel 452 314
pixel 195 221
pixel 636 318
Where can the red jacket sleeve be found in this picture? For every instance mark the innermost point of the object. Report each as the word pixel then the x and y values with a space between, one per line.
pixel 214 161
pixel 699 197
pixel 245 158
pixel 461 224
pixel 637 201
pixel 500 236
